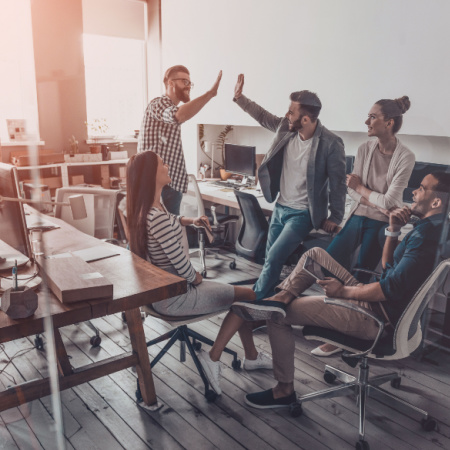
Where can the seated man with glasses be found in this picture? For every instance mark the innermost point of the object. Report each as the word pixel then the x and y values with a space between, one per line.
pixel 161 129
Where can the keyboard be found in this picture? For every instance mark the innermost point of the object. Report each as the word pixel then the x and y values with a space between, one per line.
pixel 227 184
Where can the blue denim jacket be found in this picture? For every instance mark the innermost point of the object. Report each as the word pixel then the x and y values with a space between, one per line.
pixel 413 262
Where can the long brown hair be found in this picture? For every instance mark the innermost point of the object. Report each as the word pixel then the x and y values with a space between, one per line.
pixel 141 182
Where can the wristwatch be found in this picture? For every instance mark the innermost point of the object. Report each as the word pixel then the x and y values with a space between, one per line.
pixel 392 233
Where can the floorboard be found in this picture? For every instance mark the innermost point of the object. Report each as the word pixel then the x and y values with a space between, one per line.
pixel 103 414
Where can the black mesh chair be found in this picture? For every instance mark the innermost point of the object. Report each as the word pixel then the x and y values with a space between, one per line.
pixel 252 238
pixel 397 344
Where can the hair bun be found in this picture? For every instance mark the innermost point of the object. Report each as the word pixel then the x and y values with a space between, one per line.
pixel 403 103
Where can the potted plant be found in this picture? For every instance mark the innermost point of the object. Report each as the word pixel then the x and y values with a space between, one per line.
pixel 220 145
pixel 96 130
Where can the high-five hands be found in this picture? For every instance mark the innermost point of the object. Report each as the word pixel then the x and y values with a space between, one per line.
pixel 215 88
pixel 239 86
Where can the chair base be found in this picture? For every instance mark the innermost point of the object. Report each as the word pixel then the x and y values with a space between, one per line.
pixel 184 335
pixel 203 253
pixel 364 388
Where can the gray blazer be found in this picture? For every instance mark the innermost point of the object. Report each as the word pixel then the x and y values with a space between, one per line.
pixel 325 178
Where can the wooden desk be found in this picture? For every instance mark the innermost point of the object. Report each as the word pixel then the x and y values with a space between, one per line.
pixel 136 283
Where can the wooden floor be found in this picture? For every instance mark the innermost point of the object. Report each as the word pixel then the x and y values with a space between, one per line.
pixel 103 414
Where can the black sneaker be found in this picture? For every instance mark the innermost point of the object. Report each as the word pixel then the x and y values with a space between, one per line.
pixel 259 310
pixel 265 400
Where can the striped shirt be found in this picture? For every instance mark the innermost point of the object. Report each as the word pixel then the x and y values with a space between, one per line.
pixel 160 132
pixel 164 243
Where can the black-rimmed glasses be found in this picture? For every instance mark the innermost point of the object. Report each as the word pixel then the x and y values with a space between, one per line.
pixel 186 82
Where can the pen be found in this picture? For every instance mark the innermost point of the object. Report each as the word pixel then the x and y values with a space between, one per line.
pixel 14 274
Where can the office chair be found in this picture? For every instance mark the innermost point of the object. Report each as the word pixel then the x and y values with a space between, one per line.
pixel 398 344
pixel 101 205
pixel 189 338
pixel 219 224
pixel 252 237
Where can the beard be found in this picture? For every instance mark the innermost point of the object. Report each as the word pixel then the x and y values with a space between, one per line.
pixel 297 125
pixel 183 94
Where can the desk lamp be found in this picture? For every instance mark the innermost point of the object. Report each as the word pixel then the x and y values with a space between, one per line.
pixel 76 203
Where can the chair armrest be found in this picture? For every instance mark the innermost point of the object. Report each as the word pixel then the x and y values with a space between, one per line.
pixel 367 312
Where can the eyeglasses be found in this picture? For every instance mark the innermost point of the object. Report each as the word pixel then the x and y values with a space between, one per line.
pixel 185 81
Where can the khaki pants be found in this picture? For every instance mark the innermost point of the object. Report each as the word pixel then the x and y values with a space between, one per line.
pixel 313 311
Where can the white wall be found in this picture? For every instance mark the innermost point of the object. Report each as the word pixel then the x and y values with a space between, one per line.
pixel 426 148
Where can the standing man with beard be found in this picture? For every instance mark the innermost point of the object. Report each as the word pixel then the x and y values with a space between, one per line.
pixel 305 164
pixel 161 129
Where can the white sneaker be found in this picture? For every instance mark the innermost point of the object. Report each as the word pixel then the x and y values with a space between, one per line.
pixel 262 361
pixel 212 370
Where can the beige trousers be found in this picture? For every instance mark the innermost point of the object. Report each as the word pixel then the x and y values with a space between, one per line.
pixel 313 311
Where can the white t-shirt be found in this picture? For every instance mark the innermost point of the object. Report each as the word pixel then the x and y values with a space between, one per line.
pixel 293 189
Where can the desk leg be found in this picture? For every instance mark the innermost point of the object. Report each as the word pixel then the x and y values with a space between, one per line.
pixel 64 367
pixel 137 337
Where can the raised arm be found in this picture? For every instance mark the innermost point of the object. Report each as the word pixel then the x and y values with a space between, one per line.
pixel 190 109
pixel 263 117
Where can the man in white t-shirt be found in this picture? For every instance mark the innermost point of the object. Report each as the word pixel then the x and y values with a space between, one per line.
pixel 305 165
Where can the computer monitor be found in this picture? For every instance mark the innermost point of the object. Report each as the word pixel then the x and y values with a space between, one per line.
pixel 13 228
pixel 240 159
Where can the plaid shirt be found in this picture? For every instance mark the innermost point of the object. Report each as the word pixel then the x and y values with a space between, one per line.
pixel 161 133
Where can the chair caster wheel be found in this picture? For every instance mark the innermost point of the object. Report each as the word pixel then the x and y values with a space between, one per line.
pixel 362 445
pixel 329 377
pixel 429 424
pixel 296 410
pixel 232 265
pixel 396 382
pixel 124 317
pixel 95 341
pixel 197 346
pixel 203 273
pixel 236 364
pixel 39 343
pixel 210 396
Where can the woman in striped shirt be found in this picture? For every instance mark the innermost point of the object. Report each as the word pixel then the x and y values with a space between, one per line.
pixel 157 235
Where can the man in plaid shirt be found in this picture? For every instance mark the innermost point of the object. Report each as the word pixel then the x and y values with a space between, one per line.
pixel 161 129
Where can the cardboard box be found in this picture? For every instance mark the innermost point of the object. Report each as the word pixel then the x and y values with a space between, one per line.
pixel 122 171
pixel 76 179
pixel 22 158
pixel 51 182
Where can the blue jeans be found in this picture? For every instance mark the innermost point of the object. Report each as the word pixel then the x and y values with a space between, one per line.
pixel 171 199
pixel 359 230
pixel 288 228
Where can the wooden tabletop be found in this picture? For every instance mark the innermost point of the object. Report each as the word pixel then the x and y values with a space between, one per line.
pixel 136 283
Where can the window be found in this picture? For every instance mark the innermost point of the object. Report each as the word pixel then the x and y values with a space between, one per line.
pixel 115 64
pixel 115 82
pixel 17 73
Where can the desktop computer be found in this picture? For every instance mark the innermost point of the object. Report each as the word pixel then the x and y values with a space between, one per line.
pixel 240 160
pixel 13 229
